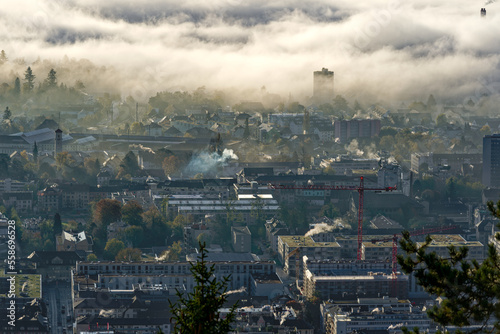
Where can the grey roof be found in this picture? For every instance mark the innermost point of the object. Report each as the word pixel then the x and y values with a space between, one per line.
pixel 5 139
pixel 241 229
pixel 382 222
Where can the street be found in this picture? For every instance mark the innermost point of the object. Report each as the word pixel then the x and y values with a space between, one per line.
pixel 57 295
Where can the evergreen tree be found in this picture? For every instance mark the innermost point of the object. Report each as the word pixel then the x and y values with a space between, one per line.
pixel 7 114
pixel 129 165
pixel 57 224
pixel 35 153
pixel 16 91
pixel 470 290
pixel 97 165
pixel 29 80
pixel 431 102
pixel 199 312
pixel 246 133
pixel 51 81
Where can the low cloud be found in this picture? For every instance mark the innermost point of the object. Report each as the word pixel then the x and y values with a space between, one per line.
pixel 378 50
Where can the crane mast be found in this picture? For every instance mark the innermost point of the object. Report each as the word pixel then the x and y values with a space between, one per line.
pixel 360 189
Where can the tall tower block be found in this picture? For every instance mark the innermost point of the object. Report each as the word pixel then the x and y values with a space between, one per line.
pixel 323 86
pixel 491 161
pixel 58 142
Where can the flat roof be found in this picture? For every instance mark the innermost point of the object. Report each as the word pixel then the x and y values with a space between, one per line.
pixel 294 241
pixel 373 277
pixel 27 285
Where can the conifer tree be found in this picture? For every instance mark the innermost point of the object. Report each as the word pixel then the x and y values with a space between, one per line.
pixel 57 224
pixel 7 113
pixel 198 313
pixel 470 290
pixel 29 80
pixel 35 153
pixel 16 91
pixel 51 81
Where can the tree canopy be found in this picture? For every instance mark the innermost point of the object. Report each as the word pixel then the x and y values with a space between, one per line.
pixel 107 211
pixel 29 80
pixel 199 311
pixel 470 290
pixel 132 213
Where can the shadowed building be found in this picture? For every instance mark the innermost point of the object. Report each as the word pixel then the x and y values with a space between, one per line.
pixel 491 161
pixel 323 86
pixel 58 142
pixel 241 238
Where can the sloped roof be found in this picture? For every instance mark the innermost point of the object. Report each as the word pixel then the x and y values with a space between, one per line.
pixel 382 222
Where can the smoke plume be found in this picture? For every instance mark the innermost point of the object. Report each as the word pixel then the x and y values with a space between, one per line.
pixel 353 148
pixel 319 228
pixel 208 163
pixel 240 290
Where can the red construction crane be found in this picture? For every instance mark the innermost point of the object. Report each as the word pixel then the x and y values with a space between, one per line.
pixel 295 252
pixel 395 238
pixel 360 189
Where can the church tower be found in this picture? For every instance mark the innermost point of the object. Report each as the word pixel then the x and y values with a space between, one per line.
pixel 58 142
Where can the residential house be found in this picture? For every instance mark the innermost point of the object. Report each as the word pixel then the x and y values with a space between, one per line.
pixel 54 265
pixel 241 239
pixel 21 200
pixel 72 242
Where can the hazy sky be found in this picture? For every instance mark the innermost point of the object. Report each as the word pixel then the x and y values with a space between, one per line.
pixel 400 49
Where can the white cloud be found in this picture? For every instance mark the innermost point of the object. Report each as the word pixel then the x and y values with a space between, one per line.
pixel 400 50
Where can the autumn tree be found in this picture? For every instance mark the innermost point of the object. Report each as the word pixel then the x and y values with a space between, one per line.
pixel 485 130
pixel 92 258
pixel 107 211
pixel 198 312
pixel 132 213
pixel 177 227
pixel 171 165
pixel 137 128
pixel 64 160
pixel 112 248
pixel 173 252
pixel 470 290
pixel 129 254
pixel 134 235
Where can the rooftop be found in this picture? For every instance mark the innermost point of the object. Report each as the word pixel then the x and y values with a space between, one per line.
pixel 294 241
pixel 27 285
